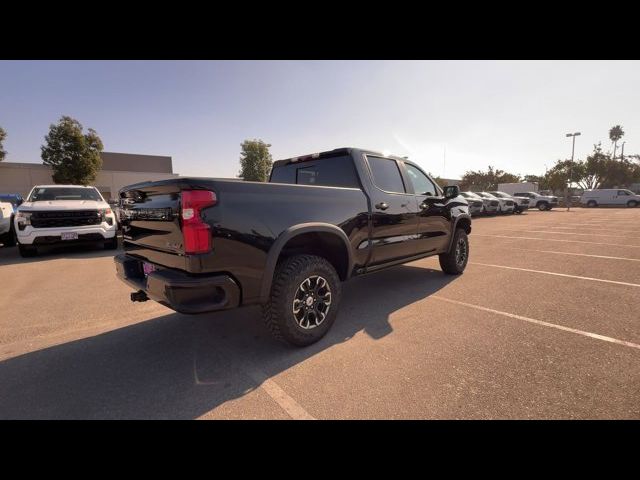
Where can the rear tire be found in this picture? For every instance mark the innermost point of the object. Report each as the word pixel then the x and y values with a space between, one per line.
pixel 542 206
pixel 27 251
pixel 301 287
pixel 632 204
pixel 455 260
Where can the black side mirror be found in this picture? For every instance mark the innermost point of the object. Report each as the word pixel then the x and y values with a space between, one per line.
pixel 451 191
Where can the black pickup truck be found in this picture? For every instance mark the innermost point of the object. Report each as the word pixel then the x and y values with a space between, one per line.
pixel 205 244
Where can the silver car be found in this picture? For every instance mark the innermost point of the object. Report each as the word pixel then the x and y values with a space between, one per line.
pixel 479 205
pixel 504 205
pixel 521 204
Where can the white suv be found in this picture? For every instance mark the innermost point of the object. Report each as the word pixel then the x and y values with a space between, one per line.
pixel 64 214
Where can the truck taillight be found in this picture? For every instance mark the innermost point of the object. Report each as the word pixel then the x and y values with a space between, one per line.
pixel 196 233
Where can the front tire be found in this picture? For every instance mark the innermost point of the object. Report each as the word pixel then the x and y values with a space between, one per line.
pixel 304 300
pixel 111 244
pixel 455 261
pixel 632 204
pixel 592 204
pixel 542 206
pixel 27 251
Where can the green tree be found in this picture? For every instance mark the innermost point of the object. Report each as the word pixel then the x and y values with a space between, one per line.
pixel 73 155
pixel 255 161
pixel 3 136
pixel 486 180
pixel 615 134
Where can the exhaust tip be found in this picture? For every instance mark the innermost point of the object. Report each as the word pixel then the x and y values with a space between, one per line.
pixel 139 296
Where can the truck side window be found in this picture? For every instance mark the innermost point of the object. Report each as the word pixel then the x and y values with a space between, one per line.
pixel 622 192
pixel 386 175
pixel 327 172
pixel 421 183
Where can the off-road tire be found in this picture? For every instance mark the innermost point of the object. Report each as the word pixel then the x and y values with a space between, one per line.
pixel 449 262
pixel 278 313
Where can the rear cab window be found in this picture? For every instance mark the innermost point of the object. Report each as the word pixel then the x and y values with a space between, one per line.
pixel 386 174
pixel 337 171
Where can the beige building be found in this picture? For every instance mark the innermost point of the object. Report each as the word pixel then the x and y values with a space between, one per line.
pixel 118 170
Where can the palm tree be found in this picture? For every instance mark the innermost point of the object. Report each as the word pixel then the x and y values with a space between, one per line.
pixel 615 134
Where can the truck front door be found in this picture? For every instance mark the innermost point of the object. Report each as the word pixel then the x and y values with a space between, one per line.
pixel 434 225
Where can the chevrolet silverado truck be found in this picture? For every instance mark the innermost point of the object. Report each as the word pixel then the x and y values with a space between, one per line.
pixel 207 244
pixel 64 215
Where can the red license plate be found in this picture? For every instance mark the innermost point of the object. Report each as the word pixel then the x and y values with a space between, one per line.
pixel 147 268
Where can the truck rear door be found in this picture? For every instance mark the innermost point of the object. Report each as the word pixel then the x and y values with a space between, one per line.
pixel 394 213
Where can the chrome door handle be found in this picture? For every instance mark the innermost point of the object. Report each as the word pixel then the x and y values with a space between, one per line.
pixel 424 206
pixel 382 206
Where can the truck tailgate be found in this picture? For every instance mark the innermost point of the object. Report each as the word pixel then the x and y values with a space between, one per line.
pixel 151 216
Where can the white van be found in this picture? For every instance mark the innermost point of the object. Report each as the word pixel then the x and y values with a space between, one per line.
pixel 610 196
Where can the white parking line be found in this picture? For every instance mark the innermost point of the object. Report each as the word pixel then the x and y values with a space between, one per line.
pixel 577 254
pixel 270 387
pixel 540 322
pixel 556 240
pixel 591 279
pixel 564 233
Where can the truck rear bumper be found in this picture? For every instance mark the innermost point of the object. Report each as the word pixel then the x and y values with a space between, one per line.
pixel 178 290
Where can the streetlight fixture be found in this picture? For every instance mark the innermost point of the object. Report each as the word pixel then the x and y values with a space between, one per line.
pixel 573 147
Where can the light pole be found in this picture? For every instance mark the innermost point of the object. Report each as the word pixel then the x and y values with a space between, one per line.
pixel 573 147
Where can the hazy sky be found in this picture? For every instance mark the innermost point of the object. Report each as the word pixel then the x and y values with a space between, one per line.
pixel 513 115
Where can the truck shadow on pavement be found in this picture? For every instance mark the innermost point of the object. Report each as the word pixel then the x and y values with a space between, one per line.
pixel 11 256
pixel 181 367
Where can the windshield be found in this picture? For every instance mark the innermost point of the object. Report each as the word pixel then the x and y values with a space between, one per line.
pixel 64 193
pixel 485 195
pixel 500 194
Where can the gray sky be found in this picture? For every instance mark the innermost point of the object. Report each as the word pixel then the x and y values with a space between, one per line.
pixel 509 114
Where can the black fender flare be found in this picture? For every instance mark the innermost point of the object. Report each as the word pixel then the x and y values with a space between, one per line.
pixel 455 226
pixel 288 234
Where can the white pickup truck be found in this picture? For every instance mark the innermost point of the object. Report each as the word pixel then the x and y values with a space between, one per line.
pixel 541 202
pixel 64 214
pixel 7 237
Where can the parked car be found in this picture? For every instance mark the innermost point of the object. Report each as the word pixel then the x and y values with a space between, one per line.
pixel 115 207
pixel 609 196
pixel 15 199
pixel 64 214
pixel 7 234
pixel 476 205
pixel 520 204
pixel 541 202
pixel 504 205
pixel 200 245
pixel 488 206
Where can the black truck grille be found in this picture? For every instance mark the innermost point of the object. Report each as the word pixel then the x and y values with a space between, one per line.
pixel 509 203
pixel 493 203
pixel 77 218
pixel 476 204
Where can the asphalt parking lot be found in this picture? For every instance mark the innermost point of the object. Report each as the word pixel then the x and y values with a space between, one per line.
pixel 544 323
